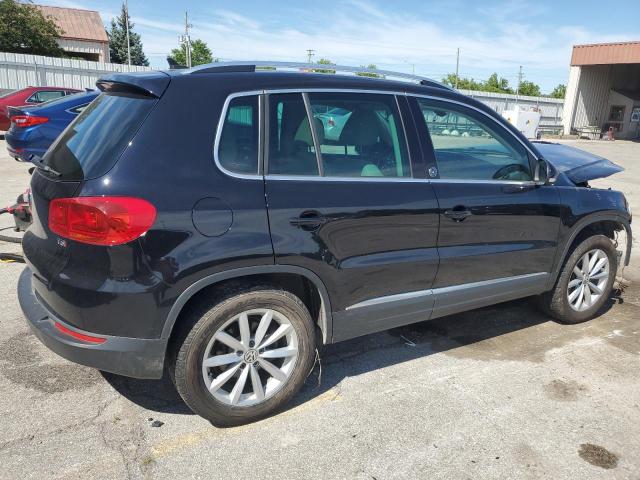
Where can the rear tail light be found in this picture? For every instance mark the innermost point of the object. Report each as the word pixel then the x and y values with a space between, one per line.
pixel 101 220
pixel 23 121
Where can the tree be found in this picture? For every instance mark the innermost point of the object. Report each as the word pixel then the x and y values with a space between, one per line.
pixel 495 84
pixel 560 91
pixel 529 88
pixel 118 41
pixel 200 53
pixel 25 29
pixel 463 83
pixel 371 66
pixel 324 61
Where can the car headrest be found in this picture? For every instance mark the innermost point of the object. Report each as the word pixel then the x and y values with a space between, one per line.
pixel 303 134
pixel 362 128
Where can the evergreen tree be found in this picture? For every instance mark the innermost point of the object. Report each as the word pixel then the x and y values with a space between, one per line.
pixel 118 41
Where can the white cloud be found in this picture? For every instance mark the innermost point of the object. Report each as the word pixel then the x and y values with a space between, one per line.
pixel 359 32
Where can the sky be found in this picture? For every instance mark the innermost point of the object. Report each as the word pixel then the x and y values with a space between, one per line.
pixel 406 36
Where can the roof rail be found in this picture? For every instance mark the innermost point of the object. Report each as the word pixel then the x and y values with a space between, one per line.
pixel 252 66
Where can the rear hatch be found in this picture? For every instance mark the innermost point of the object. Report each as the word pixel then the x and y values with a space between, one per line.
pixel 87 149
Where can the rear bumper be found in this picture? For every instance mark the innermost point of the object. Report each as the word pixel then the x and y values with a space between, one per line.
pixel 21 146
pixel 131 357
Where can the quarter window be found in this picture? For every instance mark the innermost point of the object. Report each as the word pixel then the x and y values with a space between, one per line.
pixel 470 147
pixel 238 145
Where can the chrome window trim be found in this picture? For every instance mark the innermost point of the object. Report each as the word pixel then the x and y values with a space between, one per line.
pixel 216 145
pixel 344 179
pixel 305 92
pixel 441 290
pixel 262 139
pixel 492 182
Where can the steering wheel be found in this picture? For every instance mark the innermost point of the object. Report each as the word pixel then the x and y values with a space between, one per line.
pixel 508 172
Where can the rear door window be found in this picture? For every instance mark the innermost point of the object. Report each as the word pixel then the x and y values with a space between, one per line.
pixel 360 135
pixel 94 141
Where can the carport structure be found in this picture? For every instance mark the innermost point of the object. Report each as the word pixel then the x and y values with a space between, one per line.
pixel 603 90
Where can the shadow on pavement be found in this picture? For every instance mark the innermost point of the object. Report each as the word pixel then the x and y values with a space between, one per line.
pixel 380 350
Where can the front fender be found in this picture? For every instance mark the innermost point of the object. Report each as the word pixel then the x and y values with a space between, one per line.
pixel 579 226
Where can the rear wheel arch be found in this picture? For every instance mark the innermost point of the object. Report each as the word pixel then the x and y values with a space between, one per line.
pixel 301 282
pixel 598 224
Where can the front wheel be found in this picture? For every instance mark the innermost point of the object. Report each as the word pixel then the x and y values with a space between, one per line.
pixel 584 283
pixel 244 357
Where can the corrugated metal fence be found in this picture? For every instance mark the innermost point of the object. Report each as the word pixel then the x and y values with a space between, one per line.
pixel 550 108
pixel 19 71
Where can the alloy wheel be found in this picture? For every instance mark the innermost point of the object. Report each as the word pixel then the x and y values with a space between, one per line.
pixel 588 280
pixel 250 357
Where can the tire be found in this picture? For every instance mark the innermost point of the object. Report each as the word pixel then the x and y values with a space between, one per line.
pixel 557 301
pixel 201 333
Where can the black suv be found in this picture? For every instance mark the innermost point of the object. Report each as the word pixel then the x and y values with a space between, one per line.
pixel 220 222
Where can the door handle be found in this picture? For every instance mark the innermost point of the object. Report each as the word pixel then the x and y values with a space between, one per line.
pixel 457 214
pixel 308 220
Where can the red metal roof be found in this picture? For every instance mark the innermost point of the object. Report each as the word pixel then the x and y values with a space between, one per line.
pixel 77 24
pixel 606 53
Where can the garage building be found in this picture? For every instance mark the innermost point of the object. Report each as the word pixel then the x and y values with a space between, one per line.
pixel 603 91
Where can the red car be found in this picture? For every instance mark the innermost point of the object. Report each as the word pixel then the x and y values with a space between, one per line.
pixel 29 96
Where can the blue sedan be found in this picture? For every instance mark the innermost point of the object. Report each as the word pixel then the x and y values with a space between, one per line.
pixel 33 129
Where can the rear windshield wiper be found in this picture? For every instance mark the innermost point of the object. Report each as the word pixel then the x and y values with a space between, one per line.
pixel 39 162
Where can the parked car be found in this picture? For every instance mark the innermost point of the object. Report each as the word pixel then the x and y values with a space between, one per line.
pixel 225 243
pixel 34 129
pixel 29 96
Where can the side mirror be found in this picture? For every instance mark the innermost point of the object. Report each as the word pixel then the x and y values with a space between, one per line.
pixel 544 173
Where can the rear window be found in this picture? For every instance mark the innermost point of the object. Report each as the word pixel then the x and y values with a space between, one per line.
pixel 94 141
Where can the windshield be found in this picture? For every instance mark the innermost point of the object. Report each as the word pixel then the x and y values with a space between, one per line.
pixel 94 141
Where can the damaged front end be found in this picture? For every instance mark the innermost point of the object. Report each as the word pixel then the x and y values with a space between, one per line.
pixel 577 165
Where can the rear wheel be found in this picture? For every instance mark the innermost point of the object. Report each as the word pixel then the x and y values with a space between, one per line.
pixel 584 282
pixel 244 357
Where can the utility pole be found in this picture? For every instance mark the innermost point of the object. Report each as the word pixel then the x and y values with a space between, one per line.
pixel 310 54
pixel 520 75
pixel 186 40
pixel 126 7
pixel 457 66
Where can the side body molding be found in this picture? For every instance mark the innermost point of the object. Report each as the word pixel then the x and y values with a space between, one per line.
pixel 326 323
